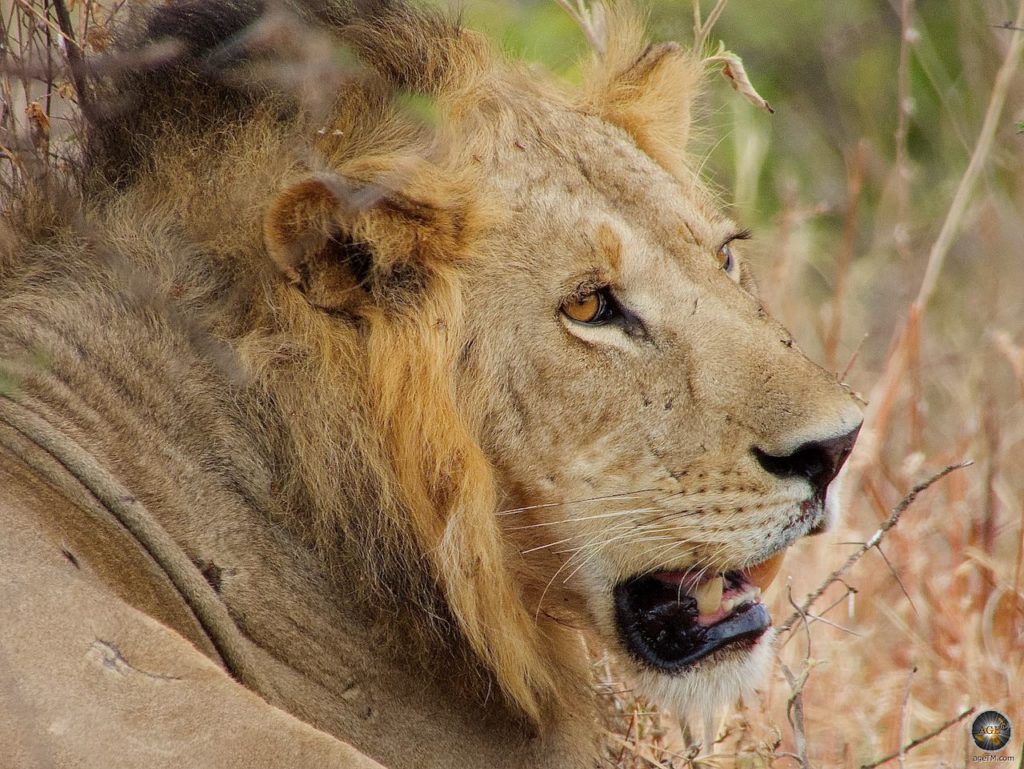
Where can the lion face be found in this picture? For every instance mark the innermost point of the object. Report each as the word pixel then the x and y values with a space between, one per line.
pixel 660 441
pixel 583 409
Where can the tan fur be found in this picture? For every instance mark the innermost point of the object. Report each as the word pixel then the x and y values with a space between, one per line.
pixel 363 312
pixel 647 90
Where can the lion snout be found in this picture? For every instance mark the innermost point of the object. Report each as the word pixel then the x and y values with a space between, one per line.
pixel 816 461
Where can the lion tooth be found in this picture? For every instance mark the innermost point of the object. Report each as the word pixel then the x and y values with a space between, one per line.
pixel 709 595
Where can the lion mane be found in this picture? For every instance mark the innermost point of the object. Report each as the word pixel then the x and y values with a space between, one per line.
pixel 377 469
pixel 259 306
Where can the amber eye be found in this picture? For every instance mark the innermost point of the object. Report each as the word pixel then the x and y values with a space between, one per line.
pixel 725 258
pixel 590 308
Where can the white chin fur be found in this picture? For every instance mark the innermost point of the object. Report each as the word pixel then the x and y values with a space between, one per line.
pixel 704 691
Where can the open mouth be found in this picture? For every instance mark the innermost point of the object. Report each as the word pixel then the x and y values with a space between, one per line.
pixel 673 619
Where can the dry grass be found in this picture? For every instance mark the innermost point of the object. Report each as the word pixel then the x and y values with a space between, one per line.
pixel 926 319
pixel 907 282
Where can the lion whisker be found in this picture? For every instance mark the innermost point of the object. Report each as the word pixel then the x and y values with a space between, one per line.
pixel 547 545
pixel 591 555
pixel 545 505
pixel 551 581
pixel 617 513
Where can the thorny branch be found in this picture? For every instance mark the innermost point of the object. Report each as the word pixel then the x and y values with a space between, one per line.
pixel 891 521
pixel 920 740
pixel 795 713
pixel 795 706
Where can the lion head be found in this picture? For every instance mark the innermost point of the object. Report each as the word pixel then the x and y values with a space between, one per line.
pixel 516 354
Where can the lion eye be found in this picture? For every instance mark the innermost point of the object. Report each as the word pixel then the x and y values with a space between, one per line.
pixel 725 258
pixel 593 308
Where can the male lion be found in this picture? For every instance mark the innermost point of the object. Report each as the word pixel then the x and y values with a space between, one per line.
pixel 329 432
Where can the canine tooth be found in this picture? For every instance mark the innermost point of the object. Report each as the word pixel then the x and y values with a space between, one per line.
pixel 709 595
pixel 765 572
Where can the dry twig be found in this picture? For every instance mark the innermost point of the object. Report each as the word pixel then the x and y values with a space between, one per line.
pixel 795 713
pixel 702 27
pixel 73 52
pixel 903 98
pixel 591 20
pixel 903 717
pixel 900 355
pixel 920 740
pixel 892 520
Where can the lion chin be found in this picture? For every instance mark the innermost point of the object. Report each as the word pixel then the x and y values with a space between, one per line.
pixel 710 685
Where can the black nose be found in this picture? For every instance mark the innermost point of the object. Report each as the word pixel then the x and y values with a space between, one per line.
pixel 817 461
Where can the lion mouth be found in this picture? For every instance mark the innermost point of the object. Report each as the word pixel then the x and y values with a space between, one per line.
pixel 671 620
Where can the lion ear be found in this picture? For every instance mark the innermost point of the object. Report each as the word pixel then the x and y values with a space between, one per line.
pixel 342 243
pixel 310 231
pixel 646 91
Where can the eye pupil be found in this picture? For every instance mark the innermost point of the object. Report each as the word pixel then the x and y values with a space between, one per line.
pixel 591 308
pixel 725 258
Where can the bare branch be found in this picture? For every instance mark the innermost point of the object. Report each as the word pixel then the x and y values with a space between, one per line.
pixel 896 576
pixel 891 521
pixel 883 394
pixel 591 20
pixel 795 713
pixel 919 741
pixel 903 717
pixel 74 53
pixel 702 28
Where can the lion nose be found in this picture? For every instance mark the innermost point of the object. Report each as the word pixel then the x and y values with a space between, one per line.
pixel 817 461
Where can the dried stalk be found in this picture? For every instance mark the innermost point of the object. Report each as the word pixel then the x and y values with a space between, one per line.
pixel 982 149
pixel 74 53
pixel 919 741
pixel 701 28
pixel 903 718
pixel 855 187
pixel 891 521
pixel 590 21
pixel 796 714
pixel 902 171
pixel 884 393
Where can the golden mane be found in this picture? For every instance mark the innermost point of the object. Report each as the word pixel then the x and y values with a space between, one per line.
pixel 380 469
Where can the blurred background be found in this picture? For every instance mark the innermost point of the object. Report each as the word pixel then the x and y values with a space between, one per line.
pixel 886 196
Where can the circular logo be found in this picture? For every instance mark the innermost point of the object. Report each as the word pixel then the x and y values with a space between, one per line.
pixel 991 730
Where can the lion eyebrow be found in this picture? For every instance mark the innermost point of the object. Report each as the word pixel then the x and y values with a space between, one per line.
pixel 689 229
pixel 608 245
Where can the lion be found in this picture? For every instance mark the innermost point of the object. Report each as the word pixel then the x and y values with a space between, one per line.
pixel 341 433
